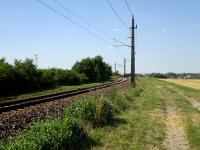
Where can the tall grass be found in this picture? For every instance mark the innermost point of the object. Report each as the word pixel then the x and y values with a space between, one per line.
pixel 140 126
pixel 94 111
pixel 68 132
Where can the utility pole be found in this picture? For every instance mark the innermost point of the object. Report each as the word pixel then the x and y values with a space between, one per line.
pixel 124 67
pixel 133 51
pixel 36 59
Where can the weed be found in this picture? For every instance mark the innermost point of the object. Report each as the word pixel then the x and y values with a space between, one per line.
pixel 57 134
pixel 94 111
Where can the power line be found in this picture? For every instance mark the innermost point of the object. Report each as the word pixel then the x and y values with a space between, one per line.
pixel 80 26
pixel 116 13
pixel 81 19
pixel 129 8
pixel 123 44
pixel 84 21
pixel 75 23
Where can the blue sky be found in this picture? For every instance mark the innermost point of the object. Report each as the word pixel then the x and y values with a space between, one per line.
pixel 167 38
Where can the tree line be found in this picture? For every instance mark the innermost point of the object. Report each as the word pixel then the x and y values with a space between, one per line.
pixel 174 75
pixel 24 76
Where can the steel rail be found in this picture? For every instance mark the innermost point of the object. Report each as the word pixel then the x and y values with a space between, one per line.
pixel 21 103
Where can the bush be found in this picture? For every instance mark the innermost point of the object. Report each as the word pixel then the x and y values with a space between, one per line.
pixel 57 77
pixel 67 133
pixel 24 76
pixel 137 91
pixel 94 68
pixel 104 111
pixel 94 111
pixel 6 76
pixel 158 75
pixel 119 100
pixel 84 110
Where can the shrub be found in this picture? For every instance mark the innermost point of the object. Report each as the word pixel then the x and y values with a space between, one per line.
pixel 57 77
pixel 158 75
pixel 84 110
pixel 24 76
pixel 67 133
pixel 137 91
pixel 104 111
pixel 92 110
pixel 94 68
pixel 119 100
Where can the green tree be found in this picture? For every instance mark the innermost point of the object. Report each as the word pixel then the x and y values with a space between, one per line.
pixel 87 67
pixel 6 76
pixel 27 75
pixel 94 68
pixel 24 76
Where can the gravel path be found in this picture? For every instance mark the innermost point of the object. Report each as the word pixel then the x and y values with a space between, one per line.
pixel 14 121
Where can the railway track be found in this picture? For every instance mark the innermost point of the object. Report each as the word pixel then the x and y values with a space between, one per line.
pixel 21 103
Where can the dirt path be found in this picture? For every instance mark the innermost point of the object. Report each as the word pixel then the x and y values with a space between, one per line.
pixel 176 138
pixel 195 103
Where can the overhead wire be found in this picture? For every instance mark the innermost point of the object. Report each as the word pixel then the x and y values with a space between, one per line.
pixel 81 19
pixel 87 23
pixel 116 13
pixel 123 44
pixel 75 23
pixel 82 27
pixel 128 7
pixel 121 20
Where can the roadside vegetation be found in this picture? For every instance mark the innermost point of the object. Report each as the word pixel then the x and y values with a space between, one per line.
pixel 25 77
pixel 67 132
pixel 188 102
pixel 153 115
pixel 122 120
pixel 139 125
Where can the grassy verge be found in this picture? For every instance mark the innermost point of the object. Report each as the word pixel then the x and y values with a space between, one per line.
pixel 140 126
pixel 128 120
pixel 191 92
pixel 67 132
pixel 191 114
pixel 192 120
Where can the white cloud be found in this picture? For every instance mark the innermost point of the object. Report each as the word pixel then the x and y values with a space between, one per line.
pixel 198 25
